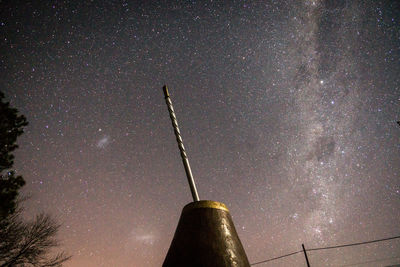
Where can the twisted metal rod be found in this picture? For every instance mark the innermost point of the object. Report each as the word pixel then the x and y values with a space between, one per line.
pixel 178 136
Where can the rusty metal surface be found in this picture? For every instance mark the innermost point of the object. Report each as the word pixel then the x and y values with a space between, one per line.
pixel 206 237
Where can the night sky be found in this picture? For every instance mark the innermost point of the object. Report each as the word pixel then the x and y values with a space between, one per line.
pixel 287 110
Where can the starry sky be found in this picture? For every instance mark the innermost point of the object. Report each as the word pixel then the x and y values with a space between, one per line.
pixel 287 110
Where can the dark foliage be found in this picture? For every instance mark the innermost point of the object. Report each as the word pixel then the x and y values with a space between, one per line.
pixel 22 243
pixel 11 126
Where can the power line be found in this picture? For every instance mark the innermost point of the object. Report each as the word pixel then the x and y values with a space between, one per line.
pixel 331 247
pixel 355 244
pixel 287 255
pixel 371 261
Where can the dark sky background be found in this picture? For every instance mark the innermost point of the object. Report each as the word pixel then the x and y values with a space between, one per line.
pixel 287 110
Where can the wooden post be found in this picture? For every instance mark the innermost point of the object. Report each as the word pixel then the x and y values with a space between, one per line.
pixel 305 254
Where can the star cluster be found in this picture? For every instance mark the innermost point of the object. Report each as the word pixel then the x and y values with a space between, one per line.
pixel 287 110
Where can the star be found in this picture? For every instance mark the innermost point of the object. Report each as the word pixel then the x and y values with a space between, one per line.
pixel 285 110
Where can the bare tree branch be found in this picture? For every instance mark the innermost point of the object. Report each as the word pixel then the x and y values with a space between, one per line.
pixel 28 243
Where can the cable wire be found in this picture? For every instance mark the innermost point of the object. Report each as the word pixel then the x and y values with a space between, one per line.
pixel 354 244
pixel 283 256
pixel 331 247
pixel 371 261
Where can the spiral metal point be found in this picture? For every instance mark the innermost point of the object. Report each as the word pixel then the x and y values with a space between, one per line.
pixel 182 150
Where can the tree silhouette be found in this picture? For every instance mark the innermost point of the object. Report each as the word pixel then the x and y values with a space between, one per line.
pixel 22 243
pixel 11 126
pixel 28 243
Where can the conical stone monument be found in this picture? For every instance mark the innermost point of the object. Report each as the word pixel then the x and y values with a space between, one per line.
pixel 205 236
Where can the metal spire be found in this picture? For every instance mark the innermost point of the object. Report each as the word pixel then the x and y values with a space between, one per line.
pixel 178 136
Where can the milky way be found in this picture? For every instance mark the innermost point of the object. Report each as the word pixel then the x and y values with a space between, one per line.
pixel 287 109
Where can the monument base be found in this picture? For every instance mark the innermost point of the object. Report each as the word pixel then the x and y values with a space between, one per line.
pixel 206 237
